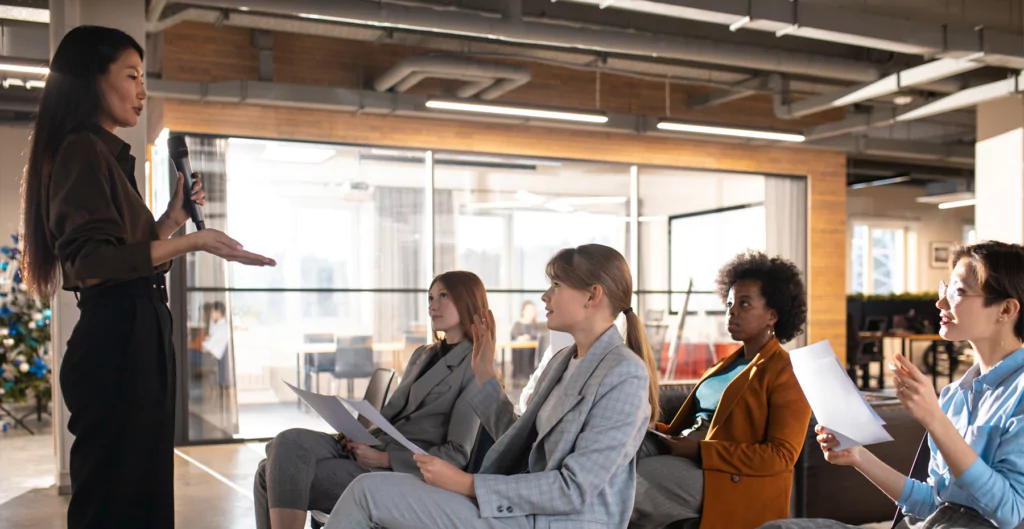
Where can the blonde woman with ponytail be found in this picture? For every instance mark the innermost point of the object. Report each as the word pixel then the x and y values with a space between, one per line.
pixel 570 460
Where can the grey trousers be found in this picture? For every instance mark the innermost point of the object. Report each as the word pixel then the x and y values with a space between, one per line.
pixel 669 488
pixel 948 516
pixel 303 470
pixel 400 501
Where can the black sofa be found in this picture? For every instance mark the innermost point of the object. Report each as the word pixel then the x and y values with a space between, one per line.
pixel 823 490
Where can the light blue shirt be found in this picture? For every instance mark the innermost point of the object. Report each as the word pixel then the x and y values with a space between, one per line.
pixel 989 413
pixel 709 393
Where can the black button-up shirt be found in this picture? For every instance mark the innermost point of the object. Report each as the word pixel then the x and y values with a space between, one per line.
pixel 98 222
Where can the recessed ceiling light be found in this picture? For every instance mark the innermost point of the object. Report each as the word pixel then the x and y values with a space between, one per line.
pixel 903 99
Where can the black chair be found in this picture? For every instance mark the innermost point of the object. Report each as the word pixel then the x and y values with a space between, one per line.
pixel 378 390
pixel 354 359
pixel 312 364
pixel 862 352
pixel 376 394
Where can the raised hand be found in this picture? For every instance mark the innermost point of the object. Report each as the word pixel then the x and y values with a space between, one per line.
pixel 916 393
pixel 483 347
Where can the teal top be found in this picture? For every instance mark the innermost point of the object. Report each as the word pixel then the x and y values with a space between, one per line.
pixel 709 393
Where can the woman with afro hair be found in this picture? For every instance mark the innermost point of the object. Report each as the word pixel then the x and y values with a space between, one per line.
pixel 727 457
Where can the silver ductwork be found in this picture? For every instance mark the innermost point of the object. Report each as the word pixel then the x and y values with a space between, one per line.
pixel 485 80
pixel 556 35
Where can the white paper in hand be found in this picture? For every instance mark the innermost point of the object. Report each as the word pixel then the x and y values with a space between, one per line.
pixel 337 415
pixel 837 403
pixel 367 410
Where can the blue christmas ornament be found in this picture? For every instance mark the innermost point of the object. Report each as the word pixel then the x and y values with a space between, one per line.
pixel 14 237
pixel 3 267
pixel 5 312
pixel 17 277
pixel 47 313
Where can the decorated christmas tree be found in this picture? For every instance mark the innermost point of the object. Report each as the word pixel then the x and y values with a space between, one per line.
pixel 24 335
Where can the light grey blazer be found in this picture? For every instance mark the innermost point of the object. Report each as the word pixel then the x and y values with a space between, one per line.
pixel 433 411
pixel 582 471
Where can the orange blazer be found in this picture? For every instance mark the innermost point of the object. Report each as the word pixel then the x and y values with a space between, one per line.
pixel 752 443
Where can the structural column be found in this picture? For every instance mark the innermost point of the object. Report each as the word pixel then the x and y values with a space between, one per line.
pixel 130 17
pixel 999 171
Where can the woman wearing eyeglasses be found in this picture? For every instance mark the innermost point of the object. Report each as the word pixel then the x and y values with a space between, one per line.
pixel 976 425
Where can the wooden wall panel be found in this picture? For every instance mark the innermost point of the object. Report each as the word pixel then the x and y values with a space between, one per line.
pixel 200 52
pixel 826 171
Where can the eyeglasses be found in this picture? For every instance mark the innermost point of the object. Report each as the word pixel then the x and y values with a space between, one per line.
pixel 953 295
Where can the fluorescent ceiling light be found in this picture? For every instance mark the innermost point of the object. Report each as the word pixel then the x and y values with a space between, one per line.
pixel 957 204
pixel 35 84
pixel 726 131
pixel 19 68
pixel 945 197
pixel 297 154
pixel 25 14
pixel 527 112
pixel 883 182
pixel 7 83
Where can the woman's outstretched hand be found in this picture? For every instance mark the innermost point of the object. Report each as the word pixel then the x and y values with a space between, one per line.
pixel 219 244
pixel 483 347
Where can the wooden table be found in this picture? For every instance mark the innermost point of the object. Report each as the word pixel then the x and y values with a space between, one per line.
pixel 526 344
pixel 395 348
pixel 907 349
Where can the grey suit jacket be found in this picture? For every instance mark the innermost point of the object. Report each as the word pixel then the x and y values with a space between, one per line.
pixel 582 471
pixel 433 411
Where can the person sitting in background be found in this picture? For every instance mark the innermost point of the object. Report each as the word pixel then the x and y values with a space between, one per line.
pixel 976 425
pixel 731 448
pixel 525 330
pixel 215 342
pixel 307 470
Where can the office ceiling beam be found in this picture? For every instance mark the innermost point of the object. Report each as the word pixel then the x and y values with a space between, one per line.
pixel 843 26
pixel 560 34
pixel 889 85
pixel 754 85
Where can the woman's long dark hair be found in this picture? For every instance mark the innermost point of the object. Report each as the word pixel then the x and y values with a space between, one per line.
pixel 71 102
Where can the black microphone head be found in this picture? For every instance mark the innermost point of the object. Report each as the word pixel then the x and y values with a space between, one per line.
pixel 176 147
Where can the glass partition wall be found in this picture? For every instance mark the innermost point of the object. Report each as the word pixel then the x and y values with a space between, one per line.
pixel 359 232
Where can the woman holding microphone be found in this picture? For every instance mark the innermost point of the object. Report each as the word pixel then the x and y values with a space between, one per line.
pixel 84 221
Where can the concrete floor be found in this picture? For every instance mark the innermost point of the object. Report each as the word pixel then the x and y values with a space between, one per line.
pixel 213 484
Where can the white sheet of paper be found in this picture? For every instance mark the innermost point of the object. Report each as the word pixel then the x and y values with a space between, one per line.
pixel 837 403
pixel 367 410
pixel 337 415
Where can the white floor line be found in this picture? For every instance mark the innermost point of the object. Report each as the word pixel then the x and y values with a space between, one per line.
pixel 218 476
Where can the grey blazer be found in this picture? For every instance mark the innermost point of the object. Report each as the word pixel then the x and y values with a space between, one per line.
pixel 433 411
pixel 581 471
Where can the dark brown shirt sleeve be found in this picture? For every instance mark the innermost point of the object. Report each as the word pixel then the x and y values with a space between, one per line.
pixel 86 217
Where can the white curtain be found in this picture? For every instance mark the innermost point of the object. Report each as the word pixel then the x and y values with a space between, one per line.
pixel 786 225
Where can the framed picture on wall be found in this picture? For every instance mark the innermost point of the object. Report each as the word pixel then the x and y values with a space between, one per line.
pixel 939 255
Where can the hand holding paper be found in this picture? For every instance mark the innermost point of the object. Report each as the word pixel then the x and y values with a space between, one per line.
pixel 837 403
pixel 367 410
pixel 334 412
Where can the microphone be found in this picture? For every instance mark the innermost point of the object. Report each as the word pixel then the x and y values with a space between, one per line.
pixel 179 155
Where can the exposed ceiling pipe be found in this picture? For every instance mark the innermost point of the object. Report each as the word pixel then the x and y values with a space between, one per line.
pixel 889 85
pixel 156 8
pixel 412 105
pixel 611 40
pixel 488 80
pixel 843 26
